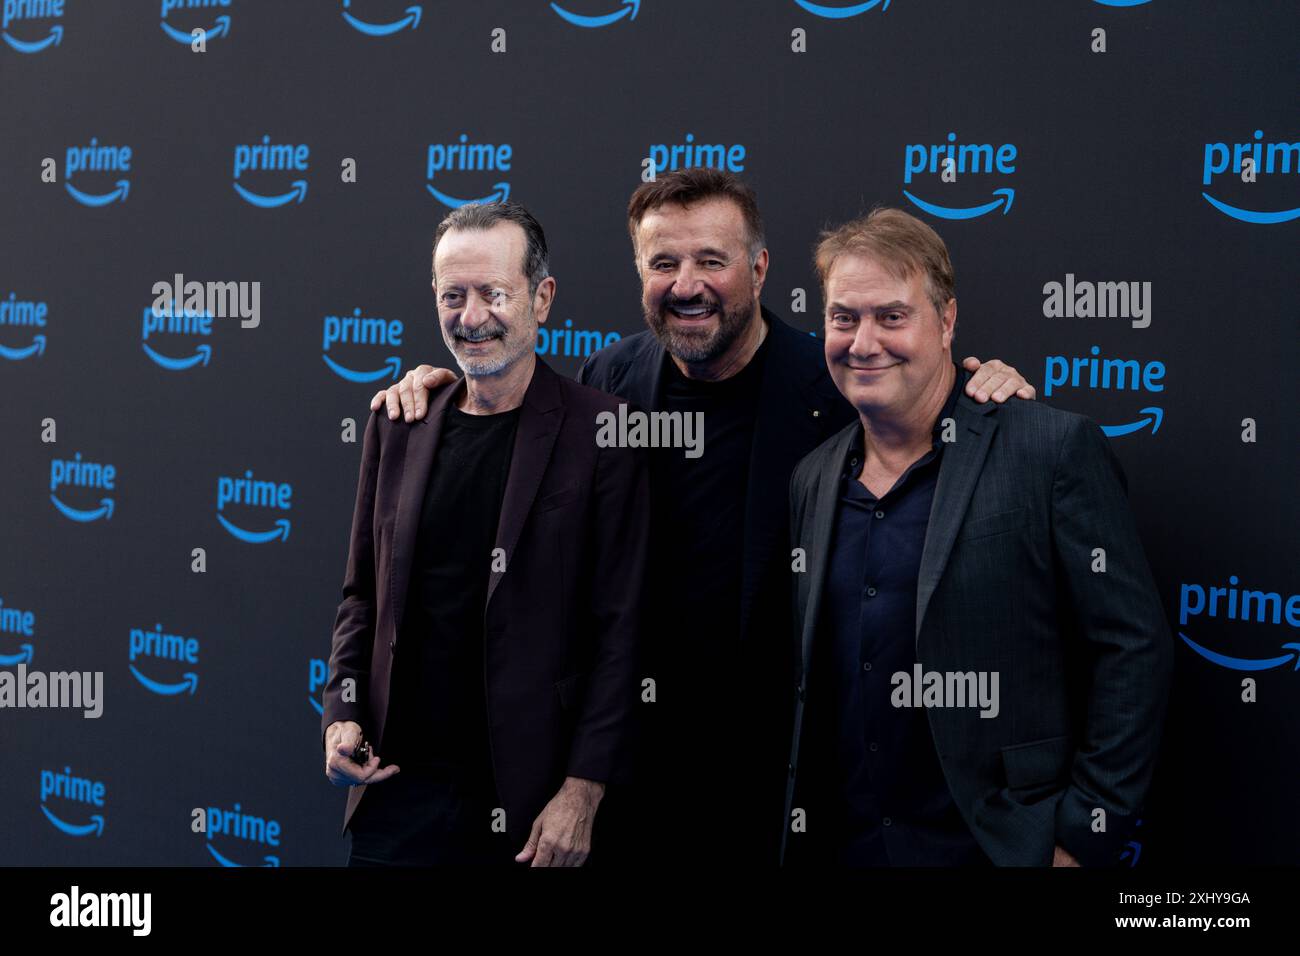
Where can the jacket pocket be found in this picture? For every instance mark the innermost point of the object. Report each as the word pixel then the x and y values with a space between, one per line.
pixel 556 499
pixel 993 524
pixel 1037 762
pixel 570 690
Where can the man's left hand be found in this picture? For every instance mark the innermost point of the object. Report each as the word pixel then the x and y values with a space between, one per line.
pixel 996 380
pixel 561 834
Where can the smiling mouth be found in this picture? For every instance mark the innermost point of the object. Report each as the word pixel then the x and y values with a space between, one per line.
pixel 693 313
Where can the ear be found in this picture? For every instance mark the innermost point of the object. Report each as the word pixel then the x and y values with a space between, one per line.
pixel 760 271
pixel 543 298
pixel 949 322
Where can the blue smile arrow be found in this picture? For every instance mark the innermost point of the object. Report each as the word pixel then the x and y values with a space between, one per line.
pixel 105 510
pixel 1156 417
pixel 96 825
pixel 257 537
pixel 1246 663
pixel 839 13
pixel 944 212
pixel 36 348
pixel 392 368
pixel 25 46
pixel 500 193
pixel 578 20
pixel 190 683
pixel 23 657
pixel 270 860
pixel 299 191
pixel 1249 215
pixel 201 354
pixel 412 19
pixel 316 705
pixel 220 30
pixel 86 199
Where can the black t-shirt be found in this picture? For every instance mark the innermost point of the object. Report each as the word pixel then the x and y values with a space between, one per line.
pixel 437 717
pixel 696 560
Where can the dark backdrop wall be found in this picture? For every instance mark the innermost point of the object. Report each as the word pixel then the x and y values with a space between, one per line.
pixel 1115 166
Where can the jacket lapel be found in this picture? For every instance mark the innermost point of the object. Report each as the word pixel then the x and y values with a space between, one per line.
pixel 421 445
pixel 540 418
pixel 960 469
pixel 644 385
pixel 785 429
pixel 823 526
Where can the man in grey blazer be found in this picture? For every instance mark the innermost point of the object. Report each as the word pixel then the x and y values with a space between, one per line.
pixel 983 660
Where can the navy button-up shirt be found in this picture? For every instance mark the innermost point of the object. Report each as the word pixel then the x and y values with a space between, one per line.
pixel 893 805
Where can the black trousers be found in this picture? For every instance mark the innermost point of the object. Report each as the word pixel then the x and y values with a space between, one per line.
pixel 428 818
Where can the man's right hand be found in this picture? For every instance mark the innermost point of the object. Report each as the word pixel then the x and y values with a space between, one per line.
pixel 341 738
pixel 409 398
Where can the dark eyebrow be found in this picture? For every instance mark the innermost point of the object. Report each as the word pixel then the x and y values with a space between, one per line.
pixel 710 251
pixel 894 306
pixel 840 307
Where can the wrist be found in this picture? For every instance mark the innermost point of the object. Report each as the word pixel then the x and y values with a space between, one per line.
pixel 590 790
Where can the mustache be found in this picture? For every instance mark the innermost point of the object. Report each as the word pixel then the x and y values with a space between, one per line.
pixel 482 334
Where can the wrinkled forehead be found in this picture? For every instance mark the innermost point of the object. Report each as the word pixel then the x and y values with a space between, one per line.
pixel 869 280
pixel 482 256
pixel 674 229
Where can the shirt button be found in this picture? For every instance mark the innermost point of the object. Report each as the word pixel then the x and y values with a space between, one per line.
pixel 392 645
pixel 871 592
pixel 887 822
pixel 880 514
pixel 873 746
pixel 866 665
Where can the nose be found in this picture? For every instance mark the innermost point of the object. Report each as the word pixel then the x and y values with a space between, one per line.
pixel 477 311
pixel 687 283
pixel 866 341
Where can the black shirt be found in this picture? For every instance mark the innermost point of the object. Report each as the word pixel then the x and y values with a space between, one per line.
pixel 893 805
pixel 438 714
pixel 696 559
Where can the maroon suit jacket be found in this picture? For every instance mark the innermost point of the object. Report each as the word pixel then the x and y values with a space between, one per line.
pixel 561 623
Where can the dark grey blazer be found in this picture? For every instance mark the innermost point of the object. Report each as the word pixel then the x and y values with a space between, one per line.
pixel 1025 494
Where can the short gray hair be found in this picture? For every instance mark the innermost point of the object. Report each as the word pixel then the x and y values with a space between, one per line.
pixel 477 215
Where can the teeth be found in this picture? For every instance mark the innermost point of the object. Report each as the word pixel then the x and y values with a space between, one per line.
pixel 692 312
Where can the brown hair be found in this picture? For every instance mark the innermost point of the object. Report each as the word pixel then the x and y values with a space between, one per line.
pixel 683 187
pixel 901 243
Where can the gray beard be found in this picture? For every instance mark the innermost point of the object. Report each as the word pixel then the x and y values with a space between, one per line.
pixel 485 367
pixel 701 346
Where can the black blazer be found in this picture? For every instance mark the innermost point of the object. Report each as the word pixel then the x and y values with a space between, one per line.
pixel 561 623
pixel 1025 494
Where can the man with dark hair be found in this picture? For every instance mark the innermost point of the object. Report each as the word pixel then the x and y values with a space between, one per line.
pixel 493 669
pixel 983 657
pixel 715 719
